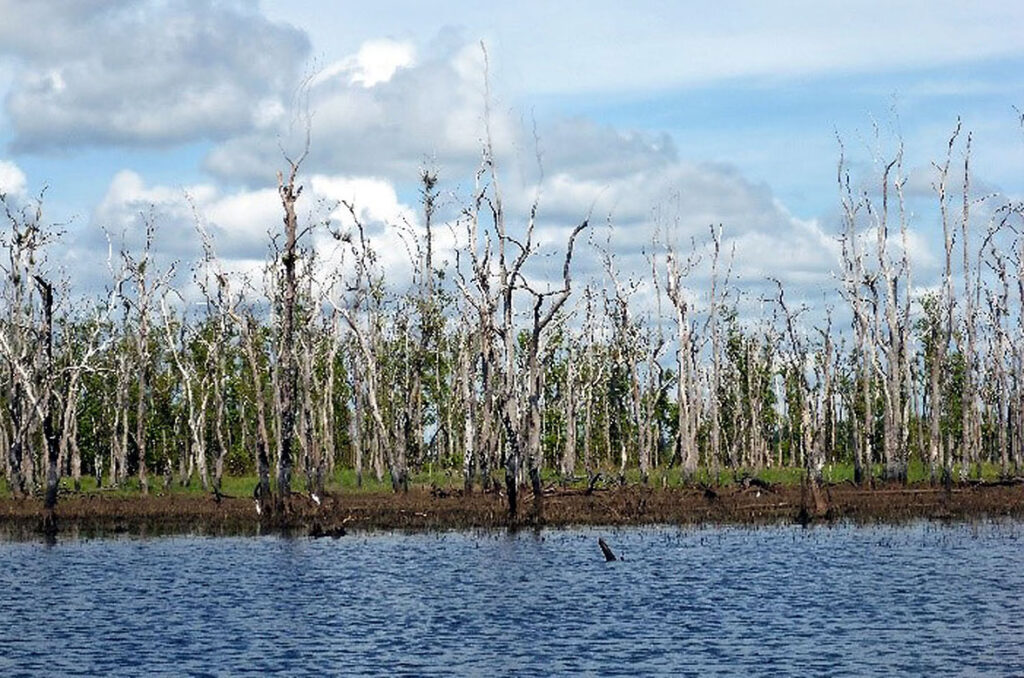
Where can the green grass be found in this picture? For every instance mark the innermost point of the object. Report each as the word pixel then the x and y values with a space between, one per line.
pixel 345 481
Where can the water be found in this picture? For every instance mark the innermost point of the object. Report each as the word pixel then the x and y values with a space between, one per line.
pixel 910 600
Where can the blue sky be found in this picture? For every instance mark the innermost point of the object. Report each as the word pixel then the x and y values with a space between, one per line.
pixel 725 113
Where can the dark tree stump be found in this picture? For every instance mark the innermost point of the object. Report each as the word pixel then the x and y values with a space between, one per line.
pixel 609 555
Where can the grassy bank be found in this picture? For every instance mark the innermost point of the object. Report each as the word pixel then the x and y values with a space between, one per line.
pixel 438 502
pixel 345 480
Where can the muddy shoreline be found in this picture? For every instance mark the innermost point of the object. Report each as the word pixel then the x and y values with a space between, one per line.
pixel 95 515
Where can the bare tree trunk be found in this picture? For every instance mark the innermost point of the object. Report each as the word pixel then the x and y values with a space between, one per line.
pixel 71 426
pixel 854 279
pixel 810 439
pixel 715 385
pixel 119 457
pixel 971 446
pixel 568 465
pixel 288 385
pixel 947 310
pixel 896 340
pixel 46 404
pixel 469 408
pixel 588 425
pixel 686 434
pixel 327 407
pixel 219 377
pixel 250 334
pixel 140 404
pixel 15 451
pixel 355 433
pixel 309 446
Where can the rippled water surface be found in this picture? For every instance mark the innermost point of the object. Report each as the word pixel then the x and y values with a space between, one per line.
pixel 912 600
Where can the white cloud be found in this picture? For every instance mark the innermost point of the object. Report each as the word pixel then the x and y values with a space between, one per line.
pixel 389 224
pixel 144 72
pixel 374 63
pixel 12 179
pixel 238 221
pixel 430 109
pixel 639 185
pixel 159 74
pixel 241 224
pixel 589 170
pixel 374 200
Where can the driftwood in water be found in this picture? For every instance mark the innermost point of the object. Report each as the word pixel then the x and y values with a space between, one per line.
pixel 609 555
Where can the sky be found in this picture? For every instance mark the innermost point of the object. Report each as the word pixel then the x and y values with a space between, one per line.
pixel 660 119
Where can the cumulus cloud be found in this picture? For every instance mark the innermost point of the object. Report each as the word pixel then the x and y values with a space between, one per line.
pixel 238 221
pixel 374 63
pixel 378 114
pixel 144 72
pixel 241 224
pixel 373 200
pixel 384 112
pixel 429 103
pixel 652 198
pixel 12 179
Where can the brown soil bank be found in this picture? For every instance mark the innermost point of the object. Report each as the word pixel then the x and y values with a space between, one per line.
pixel 419 509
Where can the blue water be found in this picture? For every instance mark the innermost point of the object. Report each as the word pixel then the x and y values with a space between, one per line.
pixel 922 599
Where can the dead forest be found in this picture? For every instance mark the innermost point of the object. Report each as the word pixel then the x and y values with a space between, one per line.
pixel 507 379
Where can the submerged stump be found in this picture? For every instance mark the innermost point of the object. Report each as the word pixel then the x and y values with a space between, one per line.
pixel 609 555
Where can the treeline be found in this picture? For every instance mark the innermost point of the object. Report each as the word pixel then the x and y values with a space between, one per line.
pixel 478 369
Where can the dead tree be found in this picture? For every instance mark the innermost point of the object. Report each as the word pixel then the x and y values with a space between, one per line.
pixel 26 335
pixel 1016 358
pixel 287 388
pixel 43 390
pixel 481 299
pixel 676 272
pixel 216 340
pixel 593 374
pixel 45 405
pixel 971 421
pixel 497 286
pixel 624 352
pixel 82 353
pixel 228 308
pixel 429 320
pixel 470 408
pixel 894 373
pixel 809 441
pixel 252 344
pixel 195 385
pixel 147 286
pixel 715 301
pixel 567 460
pixel 999 347
pixel 545 307
pixel 946 312
pixel 331 350
pixel 360 310
pixel 855 280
